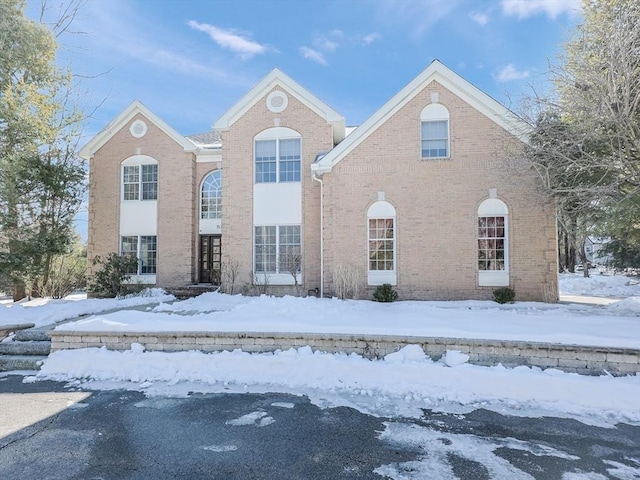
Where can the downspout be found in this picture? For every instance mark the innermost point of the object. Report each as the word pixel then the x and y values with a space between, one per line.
pixel 319 180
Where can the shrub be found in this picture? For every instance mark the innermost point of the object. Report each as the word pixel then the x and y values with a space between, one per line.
pixel 504 295
pixel 66 273
pixel 110 279
pixel 385 293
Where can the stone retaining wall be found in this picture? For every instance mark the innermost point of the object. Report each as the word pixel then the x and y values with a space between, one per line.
pixel 570 358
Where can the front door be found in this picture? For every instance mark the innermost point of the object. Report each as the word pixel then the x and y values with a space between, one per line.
pixel 210 259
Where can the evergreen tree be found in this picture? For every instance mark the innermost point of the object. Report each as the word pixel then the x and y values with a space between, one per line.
pixel 41 178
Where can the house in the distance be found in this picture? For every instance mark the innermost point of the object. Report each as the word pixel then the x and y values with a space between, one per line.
pixel 280 197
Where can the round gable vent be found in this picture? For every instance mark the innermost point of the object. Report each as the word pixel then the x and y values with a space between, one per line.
pixel 138 128
pixel 277 101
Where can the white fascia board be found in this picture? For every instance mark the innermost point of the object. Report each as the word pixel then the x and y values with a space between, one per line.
pixel 134 108
pixel 450 80
pixel 204 155
pixel 277 78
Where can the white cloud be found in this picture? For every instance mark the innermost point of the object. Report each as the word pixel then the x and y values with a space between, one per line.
pixel 370 38
pixel 329 42
pixel 551 8
pixel 231 40
pixel 417 17
pixel 313 55
pixel 510 73
pixel 479 17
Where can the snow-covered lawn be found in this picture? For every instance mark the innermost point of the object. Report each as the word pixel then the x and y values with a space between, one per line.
pixel 400 384
pixel 45 311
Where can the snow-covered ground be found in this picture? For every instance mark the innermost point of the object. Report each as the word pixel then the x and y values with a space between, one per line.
pixel 46 311
pixel 400 384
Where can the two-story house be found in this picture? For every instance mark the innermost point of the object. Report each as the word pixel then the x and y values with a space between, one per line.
pixel 281 193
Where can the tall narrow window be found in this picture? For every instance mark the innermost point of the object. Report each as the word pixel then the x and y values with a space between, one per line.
pixel 131 182
pixel 435 131
pixel 149 182
pixel 265 249
pixel 289 253
pixel 148 252
pixel 381 244
pixel 129 248
pixel 381 236
pixel 211 204
pixel 493 243
pixel 266 161
pixel 289 160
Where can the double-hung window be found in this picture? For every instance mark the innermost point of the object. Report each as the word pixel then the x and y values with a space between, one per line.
pixel 434 131
pixel 140 182
pixel 435 139
pixel 145 248
pixel 277 249
pixel 277 160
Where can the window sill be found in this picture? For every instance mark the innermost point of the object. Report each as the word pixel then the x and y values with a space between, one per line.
pixel 276 278
pixel 493 278
pixel 380 277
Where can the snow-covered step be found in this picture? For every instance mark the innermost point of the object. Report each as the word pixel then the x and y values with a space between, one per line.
pixel 32 335
pixel 25 348
pixel 20 362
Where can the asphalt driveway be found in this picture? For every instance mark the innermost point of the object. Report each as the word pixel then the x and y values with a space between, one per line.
pixel 52 432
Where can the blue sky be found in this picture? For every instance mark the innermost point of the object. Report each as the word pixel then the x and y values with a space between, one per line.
pixel 190 60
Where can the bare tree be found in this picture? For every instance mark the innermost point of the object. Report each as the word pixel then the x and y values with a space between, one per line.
pixel 585 139
pixel 291 262
pixel 260 282
pixel 230 272
pixel 346 281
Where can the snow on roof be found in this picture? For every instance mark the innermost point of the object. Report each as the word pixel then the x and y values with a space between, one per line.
pixel 210 139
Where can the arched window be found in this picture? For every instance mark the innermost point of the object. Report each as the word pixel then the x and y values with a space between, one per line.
pixel 434 121
pixel 211 200
pixel 493 243
pixel 381 222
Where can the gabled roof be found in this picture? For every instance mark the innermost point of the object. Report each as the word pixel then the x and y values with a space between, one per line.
pixel 447 78
pixel 278 78
pixel 134 108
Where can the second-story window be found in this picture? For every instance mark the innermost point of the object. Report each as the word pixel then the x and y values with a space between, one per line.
pixel 140 182
pixel 277 160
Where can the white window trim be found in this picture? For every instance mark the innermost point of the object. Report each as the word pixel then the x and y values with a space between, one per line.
pixel 383 210
pixel 276 278
pixel 138 161
pixel 435 112
pixel 204 179
pixel 146 278
pixel 277 134
pixel 493 207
